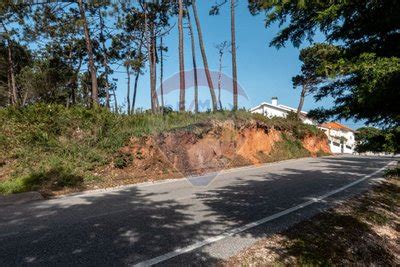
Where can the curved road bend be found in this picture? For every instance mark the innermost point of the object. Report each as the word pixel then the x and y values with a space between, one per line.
pixel 177 223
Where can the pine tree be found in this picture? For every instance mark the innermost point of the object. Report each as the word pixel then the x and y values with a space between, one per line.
pixel 222 47
pixel 182 86
pixel 234 66
pixel 11 18
pixel 193 47
pixel 204 56
pixel 92 67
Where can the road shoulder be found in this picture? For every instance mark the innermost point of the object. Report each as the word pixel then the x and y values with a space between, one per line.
pixel 21 198
pixel 362 230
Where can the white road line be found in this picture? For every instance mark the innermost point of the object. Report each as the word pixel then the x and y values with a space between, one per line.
pixel 248 226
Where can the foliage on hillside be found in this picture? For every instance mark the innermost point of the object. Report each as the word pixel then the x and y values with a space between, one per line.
pixel 370 139
pixel 54 147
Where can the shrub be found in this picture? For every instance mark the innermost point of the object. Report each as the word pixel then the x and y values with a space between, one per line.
pixel 53 179
pixel 394 172
pixel 123 160
pixel 288 148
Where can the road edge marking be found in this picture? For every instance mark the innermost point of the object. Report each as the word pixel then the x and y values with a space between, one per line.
pixel 248 226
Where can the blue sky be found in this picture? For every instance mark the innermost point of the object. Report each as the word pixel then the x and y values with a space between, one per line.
pixel 263 71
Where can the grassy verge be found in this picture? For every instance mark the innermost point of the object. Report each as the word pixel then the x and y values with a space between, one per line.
pixel 363 231
pixel 289 148
pixel 50 147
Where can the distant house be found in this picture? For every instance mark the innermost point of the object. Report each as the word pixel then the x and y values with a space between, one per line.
pixel 274 109
pixel 341 138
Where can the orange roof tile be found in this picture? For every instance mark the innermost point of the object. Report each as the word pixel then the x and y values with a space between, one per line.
pixel 335 125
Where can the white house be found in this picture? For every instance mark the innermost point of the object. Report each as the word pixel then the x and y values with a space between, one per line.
pixel 341 138
pixel 274 109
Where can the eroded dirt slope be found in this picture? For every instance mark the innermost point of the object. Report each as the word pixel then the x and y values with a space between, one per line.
pixel 209 148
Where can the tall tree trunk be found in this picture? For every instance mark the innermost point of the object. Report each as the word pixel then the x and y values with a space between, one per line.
pixel 13 84
pixel 196 86
pixel 135 91
pixel 105 60
pixel 107 84
pixel 115 100
pixel 153 70
pixel 69 85
pixel 88 98
pixel 219 79
pixel 149 29
pixel 137 75
pixel 128 90
pixel 25 98
pixel 10 96
pixel 92 67
pixel 204 56
pixel 181 59
pixel 301 102
pixel 75 82
pixel 161 74
pixel 234 67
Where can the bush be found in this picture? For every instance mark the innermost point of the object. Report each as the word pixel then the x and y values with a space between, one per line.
pixel 394 172
pixel 53 179
pixel 288 148
pixel 123 160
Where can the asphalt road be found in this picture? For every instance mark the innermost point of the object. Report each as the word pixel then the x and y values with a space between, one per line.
pixel 175 222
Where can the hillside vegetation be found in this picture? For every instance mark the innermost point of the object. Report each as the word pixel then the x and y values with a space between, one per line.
pixel 51 148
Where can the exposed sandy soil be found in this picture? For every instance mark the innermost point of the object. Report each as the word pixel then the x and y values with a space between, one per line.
pixel 316 144
pixel 199 150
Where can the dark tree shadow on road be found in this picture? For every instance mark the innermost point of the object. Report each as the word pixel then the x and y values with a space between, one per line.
pixel 254 196
pixel 141 229
pixel 346 235
pixel 250 200
pixel 146 225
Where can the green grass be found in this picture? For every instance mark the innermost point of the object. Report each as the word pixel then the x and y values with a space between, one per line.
pixel 288 148
pixel 36 140
pixel 53 179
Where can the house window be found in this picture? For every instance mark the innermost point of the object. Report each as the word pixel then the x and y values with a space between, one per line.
pixel 336 144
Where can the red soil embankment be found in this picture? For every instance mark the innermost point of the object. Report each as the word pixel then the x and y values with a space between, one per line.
pixel 204 149
pixel 316 144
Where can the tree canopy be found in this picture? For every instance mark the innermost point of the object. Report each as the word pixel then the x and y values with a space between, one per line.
pixel 76 45
pixel 370 139
pixel 364 76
